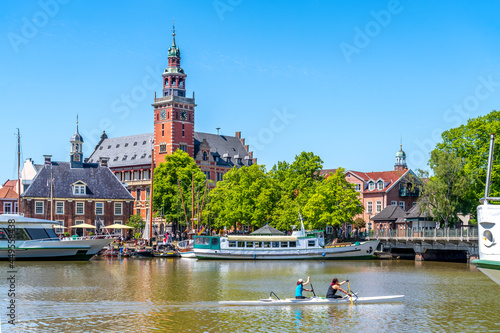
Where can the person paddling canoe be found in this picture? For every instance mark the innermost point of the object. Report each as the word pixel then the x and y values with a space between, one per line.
pixel 300 288
pixel 332 290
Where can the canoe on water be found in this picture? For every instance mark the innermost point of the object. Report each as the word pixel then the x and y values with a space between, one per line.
pixel 316 301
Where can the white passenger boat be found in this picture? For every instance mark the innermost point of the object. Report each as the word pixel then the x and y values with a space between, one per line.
pixel 23 238
pixel 300 245
pixel 316 301
pixel 488 218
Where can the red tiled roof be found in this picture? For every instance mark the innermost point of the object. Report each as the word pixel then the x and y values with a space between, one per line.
pixel 326 172
pixel 10 183
pixel 388 177
pixel 7 193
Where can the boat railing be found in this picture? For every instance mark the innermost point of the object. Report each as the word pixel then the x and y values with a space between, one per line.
pixel 449 234
pixel 72 238
pixel 486 199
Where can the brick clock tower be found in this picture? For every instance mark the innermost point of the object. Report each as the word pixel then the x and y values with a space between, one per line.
pixel 173 112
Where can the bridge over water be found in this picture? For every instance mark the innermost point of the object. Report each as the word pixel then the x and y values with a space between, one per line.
pixel 448 244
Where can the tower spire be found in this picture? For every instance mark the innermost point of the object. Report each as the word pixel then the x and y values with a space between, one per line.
pixel 173 31
pixel 76 155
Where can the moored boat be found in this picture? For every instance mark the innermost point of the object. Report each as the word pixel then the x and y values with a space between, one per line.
pixel 488 218
pixel 35 239
pixel 300 245
pixel 186 248
pixel 143 253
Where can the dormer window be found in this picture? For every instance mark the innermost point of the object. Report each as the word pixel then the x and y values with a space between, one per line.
pixel 205 155
pixel 371 186
pixel 380 185
pixel 79 188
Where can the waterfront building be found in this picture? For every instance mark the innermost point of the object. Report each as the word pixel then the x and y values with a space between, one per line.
pixel 77 192
pixel 8 197
pixel 377 190
pixel 381 189
pixel 28 172
pixel 132 157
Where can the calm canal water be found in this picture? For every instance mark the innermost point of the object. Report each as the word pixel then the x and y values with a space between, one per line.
pixel 180 295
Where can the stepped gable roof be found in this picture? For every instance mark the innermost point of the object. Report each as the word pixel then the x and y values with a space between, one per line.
pixel 222 144
pixel 267 230
pixel 389 213
pixel 125 150
pixel 388 177
pixel 7 193
pixel 100 182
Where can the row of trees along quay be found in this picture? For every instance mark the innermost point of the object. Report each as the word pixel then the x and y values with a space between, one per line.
pixel 254 196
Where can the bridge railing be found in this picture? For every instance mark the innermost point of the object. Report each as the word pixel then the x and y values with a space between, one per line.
pixel 461 234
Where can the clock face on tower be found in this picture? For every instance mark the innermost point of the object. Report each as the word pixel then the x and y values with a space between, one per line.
pixel 163 114
pixel 183 115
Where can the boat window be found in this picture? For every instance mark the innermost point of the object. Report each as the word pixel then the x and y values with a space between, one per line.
pixel 311 243
pixel 51 233
pixel 241 244
pixel 249 244
pixel 267 244
pixel 21 234
pixel 275 244
pixel 232 243
pixel 258 244
pixel 3 234
pixel 202 241
pixel 292 244
pixel 284 244
pixel 215 241
pixel 36 233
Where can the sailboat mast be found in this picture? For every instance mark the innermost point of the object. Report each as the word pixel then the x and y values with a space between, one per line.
pixel 183 205
pixel 51 195
pixel 151 195
pixel 18 171
pixel 192 199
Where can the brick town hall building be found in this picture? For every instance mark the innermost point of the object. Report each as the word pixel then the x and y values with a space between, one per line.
pixel 174 117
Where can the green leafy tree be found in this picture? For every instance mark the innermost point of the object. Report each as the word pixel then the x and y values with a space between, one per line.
pixel 471 143
pixel 136 222
pixel 334 201
pixel 251 196
pixel 443 194
pixel 359 223
pixel 178 169
pixel 295 183
pixel 243 197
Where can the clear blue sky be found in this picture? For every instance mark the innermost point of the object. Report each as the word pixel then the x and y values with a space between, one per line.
pixel 343 79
